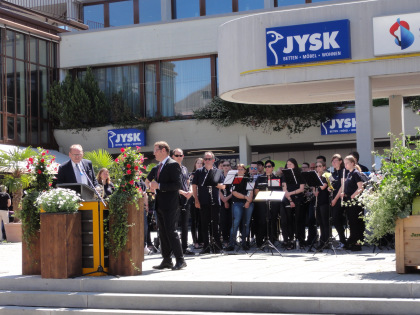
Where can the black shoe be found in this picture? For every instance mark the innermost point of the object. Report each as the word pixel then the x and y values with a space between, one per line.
pixel 164 265
pixel 230 248
pixel 179 265
pixel 205 251
pixel 356 248
pixel 188 252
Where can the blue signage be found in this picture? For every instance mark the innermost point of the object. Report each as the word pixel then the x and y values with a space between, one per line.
pixel 121 138
pixel 308 43
pixel 340 124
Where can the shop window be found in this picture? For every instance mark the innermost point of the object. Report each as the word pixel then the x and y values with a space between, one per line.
pixel 247 5
pixel 218 7
pixel 94 16
pixel 149 11
pixel 151 90
pixel 121 13
pixel 21 129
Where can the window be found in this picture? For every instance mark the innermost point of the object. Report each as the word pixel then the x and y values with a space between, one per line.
pixel 247 5
pixel 183 85
pixel 186 8
pixel 94 16
pixel 151 89
pixel 218 7
pixel 121 13
pixel 282 3
pixel 150 11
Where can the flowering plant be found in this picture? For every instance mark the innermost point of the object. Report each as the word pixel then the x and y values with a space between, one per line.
pixel 59 200
pixel 42 166
pixel 390 193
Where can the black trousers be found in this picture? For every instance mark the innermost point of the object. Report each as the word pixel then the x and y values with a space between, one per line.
pixel 263 210
pixel 356 224
pixel 323 217
pixel 184 215
pixel 225 221
pixel 196 233
pixel 311 222
pixel 339 220
pixel 210 223
pixel 169 238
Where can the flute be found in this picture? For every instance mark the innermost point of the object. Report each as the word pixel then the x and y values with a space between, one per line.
pixel 342 185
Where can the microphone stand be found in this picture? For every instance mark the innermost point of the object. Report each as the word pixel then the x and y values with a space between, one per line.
pixel 100 268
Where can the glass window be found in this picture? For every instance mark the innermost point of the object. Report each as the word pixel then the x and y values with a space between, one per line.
pixel 20 87
pixel 150 11
pixel 282 3
pixel 218 6
pixel 187 8
pixel 121 13
pixel 10 43
pixel 45 133
pixel 1 129
pixel 21 129
pixel 42 52
pixel 247 5
pixel 151 91
pixel 185 86
pixel 34 131
pixel 94 16
pixel 34 91
pixel 42 91
pixel 33 44
pixel 10 128
pixel 20 46
pixel 10 85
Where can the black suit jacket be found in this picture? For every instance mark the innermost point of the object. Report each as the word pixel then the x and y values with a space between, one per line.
pixel 66 173
pixel 167 196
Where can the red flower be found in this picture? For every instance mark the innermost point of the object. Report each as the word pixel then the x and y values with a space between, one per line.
pixel 128 172
pixel 131 182
pixel 31 160
pixel 116 160
pixel 128 165
pixel 125 155
pixel 50 184
pixel 48 151
pixel 39 171
pixel 43 153
pixel 136 168
pixel 42 160
pixel 122 149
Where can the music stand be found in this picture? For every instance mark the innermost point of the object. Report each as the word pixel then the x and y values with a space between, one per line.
pixel 268 196
pixel 211 180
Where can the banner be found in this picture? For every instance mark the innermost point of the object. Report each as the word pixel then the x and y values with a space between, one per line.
pixel 340 124
pixel 121 138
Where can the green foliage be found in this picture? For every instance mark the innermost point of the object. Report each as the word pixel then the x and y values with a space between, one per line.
pixel 100 159
pixel 414 103
pixel 77 105
pixel 391 194
pixel 121 114
pixel 293 118
pixel 30 217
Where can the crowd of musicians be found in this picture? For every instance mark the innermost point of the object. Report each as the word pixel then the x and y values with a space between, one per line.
pixel 227 216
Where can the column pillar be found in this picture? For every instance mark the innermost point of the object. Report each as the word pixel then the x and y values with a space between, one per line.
pixel 244 150
pixel 166 10
pixel 396 117
pixel 364 119
pixel 268 4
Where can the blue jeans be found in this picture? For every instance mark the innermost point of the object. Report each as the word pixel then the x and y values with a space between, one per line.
pixel 240 213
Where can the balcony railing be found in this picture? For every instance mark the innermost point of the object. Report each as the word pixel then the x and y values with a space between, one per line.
pixel 63 10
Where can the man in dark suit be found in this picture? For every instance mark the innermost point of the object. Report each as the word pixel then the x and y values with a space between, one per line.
pixel 167 183
pixel 77 170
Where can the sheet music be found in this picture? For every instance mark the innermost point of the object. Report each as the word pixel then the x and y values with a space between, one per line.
pixel 270 195
pixel 229 177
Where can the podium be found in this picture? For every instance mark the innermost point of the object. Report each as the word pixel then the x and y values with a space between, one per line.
pixel 93 251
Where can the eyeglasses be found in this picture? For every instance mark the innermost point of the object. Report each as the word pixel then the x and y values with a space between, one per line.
pixel 268 166
pixel 178 155
pixel 76 154
pixel 253 168
pixel 208 159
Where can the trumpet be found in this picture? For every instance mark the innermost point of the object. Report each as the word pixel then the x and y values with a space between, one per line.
pixel 330 179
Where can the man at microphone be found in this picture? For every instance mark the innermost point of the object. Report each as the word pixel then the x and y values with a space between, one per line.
pixel 77 170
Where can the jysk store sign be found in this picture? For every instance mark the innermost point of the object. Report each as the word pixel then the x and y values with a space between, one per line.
pixel 308 43
pixel 340 124
pixel 119 138
pixel 396 34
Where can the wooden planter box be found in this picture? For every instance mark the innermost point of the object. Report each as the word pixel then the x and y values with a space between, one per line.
pixel 61 245
pixel 129 261
pixel 407 244
pixel 31 257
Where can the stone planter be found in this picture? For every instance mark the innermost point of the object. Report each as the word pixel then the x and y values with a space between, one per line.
pixel 407 244
pixel 61 245
pixel 31 256
pixel 129 260
pixel 13 232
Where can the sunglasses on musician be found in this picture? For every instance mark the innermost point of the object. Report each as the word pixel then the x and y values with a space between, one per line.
pixel 178 155
pixel 208 159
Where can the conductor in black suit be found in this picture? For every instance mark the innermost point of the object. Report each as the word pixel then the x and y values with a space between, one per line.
pixel 167 183
pixel 77 170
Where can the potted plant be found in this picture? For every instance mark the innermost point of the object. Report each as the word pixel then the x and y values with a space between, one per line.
pixel 389 199
pixel 125 235
pixel 41 165
pixel 17 178
pixel 61 233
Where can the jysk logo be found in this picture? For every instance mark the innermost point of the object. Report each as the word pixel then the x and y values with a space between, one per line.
pixel 308 42
pixel 118 138
pixel 340 124
pixel 401 31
